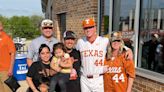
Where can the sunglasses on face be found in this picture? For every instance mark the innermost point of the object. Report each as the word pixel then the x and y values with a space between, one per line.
pixel 116 41
pixel 47 27
pixel 88 27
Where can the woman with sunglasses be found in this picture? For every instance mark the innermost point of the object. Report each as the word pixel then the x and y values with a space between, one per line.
pixel 120 71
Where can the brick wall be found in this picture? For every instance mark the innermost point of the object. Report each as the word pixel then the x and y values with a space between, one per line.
pixel 142 84
pixel 76 11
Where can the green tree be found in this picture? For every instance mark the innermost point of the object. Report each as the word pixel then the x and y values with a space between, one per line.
pixel 22 26
pixel 5 22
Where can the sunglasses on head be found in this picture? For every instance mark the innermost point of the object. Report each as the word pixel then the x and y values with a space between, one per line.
pixel 116 41
pixel 46 24
pixel 47 27
pixel 88 27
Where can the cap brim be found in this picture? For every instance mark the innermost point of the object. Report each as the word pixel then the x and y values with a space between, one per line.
pixel 88 26
pixel 69 37
pixel 47 26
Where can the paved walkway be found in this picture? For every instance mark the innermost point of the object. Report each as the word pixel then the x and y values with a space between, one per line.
pixel 24 86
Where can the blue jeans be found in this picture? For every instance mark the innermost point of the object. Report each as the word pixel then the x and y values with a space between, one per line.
pixel 61 79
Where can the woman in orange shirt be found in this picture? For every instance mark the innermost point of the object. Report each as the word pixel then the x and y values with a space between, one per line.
pixel 120 72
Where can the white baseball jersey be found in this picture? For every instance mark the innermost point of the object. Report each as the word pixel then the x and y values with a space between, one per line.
pixel 92 55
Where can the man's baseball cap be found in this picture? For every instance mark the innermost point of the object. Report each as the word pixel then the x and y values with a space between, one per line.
pixel 47 23
pixel 89 22
pixel 69 34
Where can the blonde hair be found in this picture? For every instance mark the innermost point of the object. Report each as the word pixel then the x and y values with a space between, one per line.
pixel 110 49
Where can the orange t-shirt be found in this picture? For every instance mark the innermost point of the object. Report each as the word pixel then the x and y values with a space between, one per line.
pixel 116 79
pixel 6 48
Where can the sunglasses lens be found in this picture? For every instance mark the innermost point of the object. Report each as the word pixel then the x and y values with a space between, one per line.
pixel 88 28
pixel 117 41
pixel 47 28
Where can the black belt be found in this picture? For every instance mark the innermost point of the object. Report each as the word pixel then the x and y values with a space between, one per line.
pixel 94 76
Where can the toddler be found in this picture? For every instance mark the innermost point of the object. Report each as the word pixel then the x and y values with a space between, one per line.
pixel 62 64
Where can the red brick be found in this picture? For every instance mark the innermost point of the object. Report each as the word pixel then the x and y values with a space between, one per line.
pixel 162 88
pixel 138 88
pixel 135 90
pixel 142 86
pixel 146 90
pixel 158 91
pixel 147 85
pixel 151 89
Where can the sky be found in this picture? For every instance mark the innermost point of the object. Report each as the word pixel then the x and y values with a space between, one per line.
pixel 124 4
pixel 11 8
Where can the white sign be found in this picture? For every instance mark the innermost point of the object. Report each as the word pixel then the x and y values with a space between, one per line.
pixel 22 69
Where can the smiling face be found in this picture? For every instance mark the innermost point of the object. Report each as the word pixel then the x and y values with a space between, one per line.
pixel 116 44
pixel 69 43
pixel 90 31
pixel 59 53
pixel 45 55
pixel 47 32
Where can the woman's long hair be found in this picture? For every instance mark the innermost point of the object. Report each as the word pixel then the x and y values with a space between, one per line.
pixel 44 78
pixel 110 49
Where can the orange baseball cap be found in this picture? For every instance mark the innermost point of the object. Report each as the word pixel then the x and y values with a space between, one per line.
pixel 89 22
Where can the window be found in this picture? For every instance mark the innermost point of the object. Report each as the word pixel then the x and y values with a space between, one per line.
pixel 119 15
pixel 151 35
pixel 120 19
pixel 62 23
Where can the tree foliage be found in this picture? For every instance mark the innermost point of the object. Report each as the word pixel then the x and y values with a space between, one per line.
pixel 22 26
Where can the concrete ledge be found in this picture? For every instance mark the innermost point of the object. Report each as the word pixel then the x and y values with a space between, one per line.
pixel 150 75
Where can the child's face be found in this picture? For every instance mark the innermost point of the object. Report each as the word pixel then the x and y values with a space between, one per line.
pixel 59 53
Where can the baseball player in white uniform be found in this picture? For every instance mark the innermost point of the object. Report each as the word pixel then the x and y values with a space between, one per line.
pixel 92 50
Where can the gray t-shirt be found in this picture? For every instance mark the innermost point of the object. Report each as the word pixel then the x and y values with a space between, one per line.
pixel 33 48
